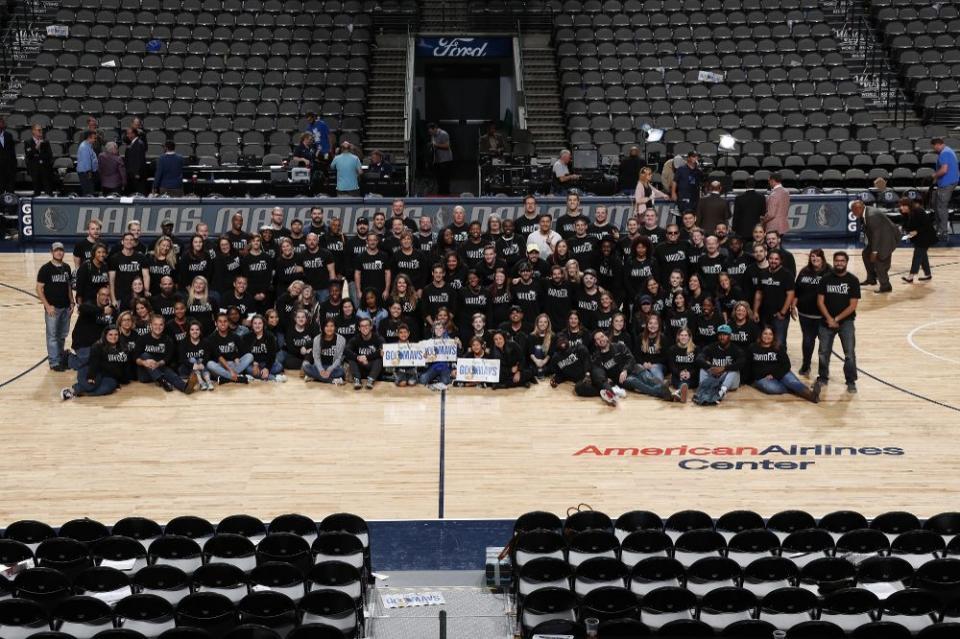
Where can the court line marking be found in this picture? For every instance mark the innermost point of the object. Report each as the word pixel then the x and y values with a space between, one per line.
pixel 35 366
pixel 926 352
pixel 443 437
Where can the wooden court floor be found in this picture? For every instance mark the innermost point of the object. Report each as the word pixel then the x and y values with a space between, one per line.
pixel 268 449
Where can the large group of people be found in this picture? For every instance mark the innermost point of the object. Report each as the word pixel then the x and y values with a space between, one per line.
pixel 666 312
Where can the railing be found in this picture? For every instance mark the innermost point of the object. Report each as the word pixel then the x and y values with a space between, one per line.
pixel 877 78
pixel 409 140
pixel 518 76
pixel 945 112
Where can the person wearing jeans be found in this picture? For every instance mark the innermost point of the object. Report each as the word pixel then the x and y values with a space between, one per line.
pixel 720 364
pixel 328 349
pixel 947 176
pixel 770 368
pixel 155 351
pixel 108 368
pixel 228 356
pixel 56 295
pixel 837 300
pixel 806 287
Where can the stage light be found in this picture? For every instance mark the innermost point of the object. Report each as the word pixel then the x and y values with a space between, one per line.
pixel 655 135
pixel 728 142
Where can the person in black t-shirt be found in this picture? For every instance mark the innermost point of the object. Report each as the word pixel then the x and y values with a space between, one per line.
pixel 125 266
pixel 837 301
pixel 226 353
pixel 83 250
pixel 108 368
pixel 155 357
pixel 372 268
pixel 583 247
pixel 720 364
pixel 774 298
pixel 364 356
pixel 192 356
pixel 774 242
pixel 805 307
pixel 93 274
pixel 53 289
pixel 770 369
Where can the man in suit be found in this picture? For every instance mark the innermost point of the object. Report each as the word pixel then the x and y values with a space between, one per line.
pixel 748 210
pixel 712 209
pixel 881 237
pixel 168 180
pixel 8 159
pixel 135 160
pixel 39 159
pixel 778 207
pixel 629 170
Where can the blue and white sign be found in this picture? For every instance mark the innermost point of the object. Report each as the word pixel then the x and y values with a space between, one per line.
pixel 456 47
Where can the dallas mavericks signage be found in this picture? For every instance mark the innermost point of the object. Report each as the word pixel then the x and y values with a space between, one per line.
pixel 819 216
pixel 464 47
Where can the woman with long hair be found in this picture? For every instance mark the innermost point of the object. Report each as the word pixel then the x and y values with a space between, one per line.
pixel 805 308
pixel 347 320
pixel 288 302
pixel 195 261
pixel 728 294
pixel 681 361
pixel 501 299
pixel 651 349
pixel 402 291
pixel 161 261
pixel 574 332
pixel 107 368
pixel 640 267
pixel 561 254
pixel 770 368
pixel 137 291
pixel 370 308
pixel 298 342
pixel 618 331
pixel 142 314
pixel 445 317
pixel 572 270
pixel 192 355
pixel 678 316
pixel 604 315
pixel 542 344
pixel 455 273
pixel 919 229
pixel 513 372
pixel 705 325
pixel 226 266
pixel 328 349
pixel 446 243
pixel 310 303
pixel 697 294
pixel 389 326
pixel 745 330
pixel 199 305
pixel 262 344
pixel 655 292
pixel 646 194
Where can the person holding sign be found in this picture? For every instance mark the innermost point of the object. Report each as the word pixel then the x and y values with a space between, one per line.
pixel 475 351
pixel 404 375
pixel 364 356
pixel 437 369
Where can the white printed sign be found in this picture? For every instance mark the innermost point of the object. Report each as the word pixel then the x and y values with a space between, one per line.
pixel 412 599
pixel 440 350
pixel 710 76
pixel 58 30
pixel 478 370
pixel 403 355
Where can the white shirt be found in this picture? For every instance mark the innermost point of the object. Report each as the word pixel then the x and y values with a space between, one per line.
pixel 560 169
pixel 544 242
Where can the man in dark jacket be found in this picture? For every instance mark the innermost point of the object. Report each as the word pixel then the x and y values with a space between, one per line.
pixel 881 236
pixel 712 209
pixel 8 159
pixel 168 179
pixel 630 170
pixel 748 210
pixel 39 159
pixel 135 161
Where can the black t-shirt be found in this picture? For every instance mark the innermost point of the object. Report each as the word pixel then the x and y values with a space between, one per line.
pixel 329 310
pixel 258 269
pixel 238 240
pixel 589 305
pixel 347 326
pixel 164 305
pixel 90 279
pixel 573 363
pixel 369 348
pixel 416 266
pixel 765 361
pixel 500 302
pixel 472 302
pixel 557 301
pixel 84 250
pixel 529 297
pixel 511 249
pixel 424 242
pixel 203 313
pixel 671 256
pixel 808 287
pixel 566 225
pixel 373 270
pixel 460 233
pixel 225 269
pixel 263 349
pixel 523 226
pixel 601 232
pixel 678 360
pixel 176 332
pixel 157 270
pixel 91 320
pixel 156 348
pixel 356 246
pixel 127 269
pixel 744 335
pixel 294 340
pixel 774 287
pixel 655 235
pixel 585 250
pixel 434 298
pixel 710 269
pixel 636 274
pixel 245 303
pixel 56 284
pixel 190 353
pixel 315 271
pixel 191 266
pixel 837 291
pixel 286 271
pixel 328 350
pixel 336 245
pixel 227 346
pixel 471 253
pixel 736 268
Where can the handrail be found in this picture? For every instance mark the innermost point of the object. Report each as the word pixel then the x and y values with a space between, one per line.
pixel 409 141
pixel 518 76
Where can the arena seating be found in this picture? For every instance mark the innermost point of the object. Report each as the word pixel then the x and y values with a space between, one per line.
pixel 241 579
pixel 739 576
pixel 923 40
pixel 786 93
pixel 231 78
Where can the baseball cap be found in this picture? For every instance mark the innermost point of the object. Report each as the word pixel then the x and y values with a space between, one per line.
pixel 590 271
pixel 725 329
pixel 56 245
pixel 167 222
pixel 363 220
pixel 525 266
pixel 532 247
pixel 266 227
pixel 645 299
pixel 516 308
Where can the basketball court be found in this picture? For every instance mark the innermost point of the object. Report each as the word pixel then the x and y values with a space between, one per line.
pixel 413 454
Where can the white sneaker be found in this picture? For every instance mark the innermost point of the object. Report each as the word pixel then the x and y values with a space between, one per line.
pixel 67 393
pixel 441 386
pixel 338 381
pixel 722 391
pixel 608 396
pixel 250 378
pixel 619 392
pixel 281 378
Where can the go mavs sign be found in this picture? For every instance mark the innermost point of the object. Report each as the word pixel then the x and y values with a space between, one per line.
pixel 455 47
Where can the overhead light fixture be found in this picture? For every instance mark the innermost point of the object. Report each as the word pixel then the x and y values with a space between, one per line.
pixel 728 142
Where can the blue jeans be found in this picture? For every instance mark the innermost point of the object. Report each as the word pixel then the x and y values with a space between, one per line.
pixel 239 365
pixel 57 327
pixel 408 375
pixel 436 374
pixel 658 371
pixel 810 328
pixel 729 380
pixel 313 372
pixel 80 358
pixel 780 327
pixel 786 384
pixel 101 385
pixel 156 374
pixel 646 382
pixel 848 341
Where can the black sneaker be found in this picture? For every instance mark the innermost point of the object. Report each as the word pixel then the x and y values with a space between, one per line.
pixel 59 368
pixel 66 393
pixel 885 289
pixel 357 384
pixel 815 391
pixel 852 388
pixel 925 278
pixel 868 283
pixel 369 384
pixel 804 370
pixel 165 385
pixel 823 381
